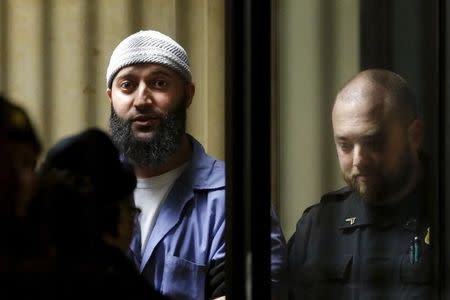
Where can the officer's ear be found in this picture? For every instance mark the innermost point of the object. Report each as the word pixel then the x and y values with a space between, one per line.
pixel 416 134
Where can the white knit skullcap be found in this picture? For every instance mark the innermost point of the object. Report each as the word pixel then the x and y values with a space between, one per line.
pixel 148 46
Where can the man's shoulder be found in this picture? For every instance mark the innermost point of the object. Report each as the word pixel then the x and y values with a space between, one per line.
pixel 338 195
pixel 328 202
pixel 208 172
pixel 200 155
pixel 327 214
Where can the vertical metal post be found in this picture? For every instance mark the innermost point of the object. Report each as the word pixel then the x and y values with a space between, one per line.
pixel 444 150
pixel 248 96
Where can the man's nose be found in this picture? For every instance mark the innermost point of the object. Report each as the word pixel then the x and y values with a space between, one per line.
pixel 144 95
pixel 361 156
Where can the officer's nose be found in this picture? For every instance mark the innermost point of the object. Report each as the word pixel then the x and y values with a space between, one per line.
pixel 361 157
pixel 143 96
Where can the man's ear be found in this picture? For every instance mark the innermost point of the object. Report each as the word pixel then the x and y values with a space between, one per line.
pixel 108 92
pixel 416 133
pixel 189 91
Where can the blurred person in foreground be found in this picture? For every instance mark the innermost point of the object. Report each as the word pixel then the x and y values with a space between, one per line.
pixel 81 217
pixel 19 151
pixel 370 239
pixel 179 246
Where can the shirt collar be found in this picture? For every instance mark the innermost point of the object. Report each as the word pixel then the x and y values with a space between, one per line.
pixel 204 171
pixel 408 213
pixel 354 213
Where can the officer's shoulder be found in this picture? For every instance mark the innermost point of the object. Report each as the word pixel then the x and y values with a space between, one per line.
pixel 337 195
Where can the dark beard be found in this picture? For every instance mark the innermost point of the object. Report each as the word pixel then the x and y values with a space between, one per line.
pixel 152 152
pixel 379 192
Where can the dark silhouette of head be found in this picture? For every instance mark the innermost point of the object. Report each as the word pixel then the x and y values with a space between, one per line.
pixel 83 189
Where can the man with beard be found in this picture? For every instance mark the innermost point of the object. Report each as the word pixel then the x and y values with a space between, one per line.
pixel 179 243
pixel 369 240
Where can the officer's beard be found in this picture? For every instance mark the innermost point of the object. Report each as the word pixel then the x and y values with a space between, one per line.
pixel 383 188
pixel 153 151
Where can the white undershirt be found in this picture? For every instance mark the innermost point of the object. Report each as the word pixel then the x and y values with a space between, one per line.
pixel 149 194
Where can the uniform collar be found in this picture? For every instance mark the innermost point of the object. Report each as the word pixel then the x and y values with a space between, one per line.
pixel 408 213
pixel 354 213
pixel 205 171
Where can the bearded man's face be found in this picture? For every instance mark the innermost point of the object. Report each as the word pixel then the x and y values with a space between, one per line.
pixel 154 150
pixel 148 113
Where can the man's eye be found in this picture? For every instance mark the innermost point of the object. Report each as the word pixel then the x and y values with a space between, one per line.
pixel 374 143
pixel 126 85
pixel 345 147
pixel 160 83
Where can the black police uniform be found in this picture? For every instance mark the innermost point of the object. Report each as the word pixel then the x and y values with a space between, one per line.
pixel 345 249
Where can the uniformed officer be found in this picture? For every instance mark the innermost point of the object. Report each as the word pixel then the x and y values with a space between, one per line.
pixel 370 239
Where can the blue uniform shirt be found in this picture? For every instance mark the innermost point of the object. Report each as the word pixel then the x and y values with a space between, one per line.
pixel 189 232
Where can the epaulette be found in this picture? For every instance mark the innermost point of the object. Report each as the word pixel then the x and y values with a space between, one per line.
pixel 339 194
pixel 309 208
pixel 336 195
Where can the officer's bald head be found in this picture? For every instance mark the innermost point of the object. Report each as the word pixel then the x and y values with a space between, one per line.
pixel 383 91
